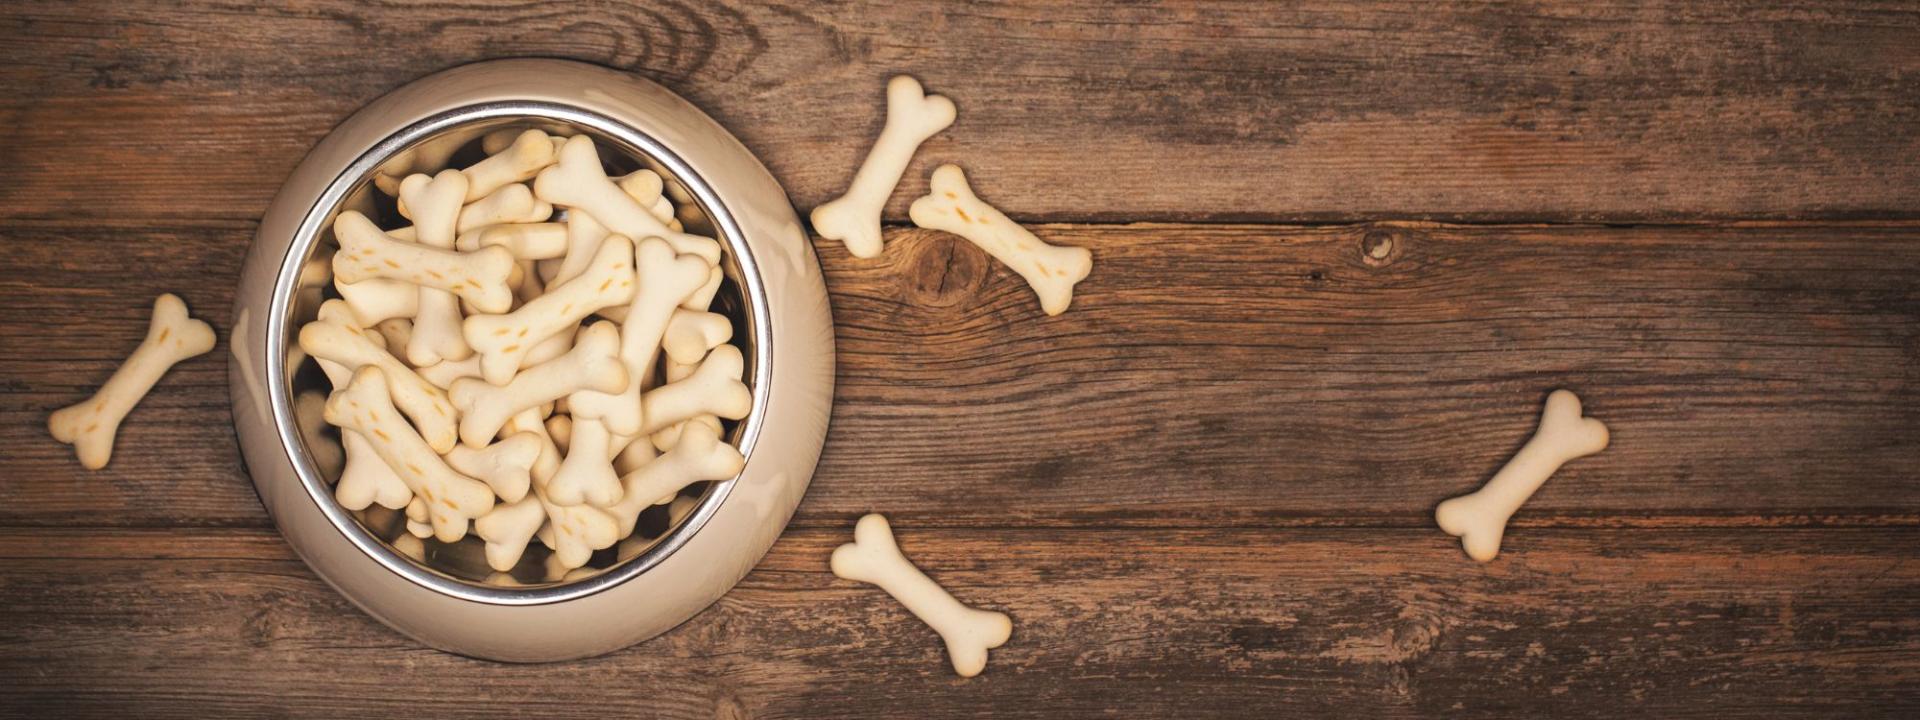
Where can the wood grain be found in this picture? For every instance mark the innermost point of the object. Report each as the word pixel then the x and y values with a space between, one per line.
pixel 1204 491
pixel 1291 623
pixel 1071 111
pixel 1206 375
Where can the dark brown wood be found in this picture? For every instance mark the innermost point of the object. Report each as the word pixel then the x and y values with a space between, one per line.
pixel 1069 110
pixel 1254 623
pixel 1206 489
pixel 1206 375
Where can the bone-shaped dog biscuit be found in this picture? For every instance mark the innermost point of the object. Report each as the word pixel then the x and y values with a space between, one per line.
pixel 586 475
pixel 366 253
pixel 664 279
pixel 577 531
pixel 365 407
pixel 702 457
pixel 422 402
pixel 1480 519
pixel 373 301
pixel 713 389
pixel 593 363
pixel 509 527
pixel 507 530
pixel 580 183
pixel 527 241
pixel 505 466
pixel 573 531
pixel 584 235
pixel 667 437
pixel 419 524
pixel 443 373
pixel 365 479
pixel 644 187
pixel 518 162
pixel 1052 270
pixel 699 456
pixel 912 117
pixel 91 426
pixel 510 204
pixel 874 558
pixel 395 332
pixel 691 333
pixel 504 340
pixel 435 210
pixel 434 205
pixel 702 299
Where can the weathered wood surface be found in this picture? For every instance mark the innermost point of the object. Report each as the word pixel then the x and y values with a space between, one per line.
pixel 1070 111
pixel 1206 375
pixel 1206 489
pixel 1207 623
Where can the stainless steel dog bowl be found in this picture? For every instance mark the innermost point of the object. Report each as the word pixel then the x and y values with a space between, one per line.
pixel 441 594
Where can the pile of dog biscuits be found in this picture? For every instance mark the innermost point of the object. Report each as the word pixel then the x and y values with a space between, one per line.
pixel 533 358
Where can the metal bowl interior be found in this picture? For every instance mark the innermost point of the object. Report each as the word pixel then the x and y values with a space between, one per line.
pixel 460 568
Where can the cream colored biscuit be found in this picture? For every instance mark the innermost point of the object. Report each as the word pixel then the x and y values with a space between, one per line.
pixel 507 530
pixel 573 531
pixel 498 140
pixel 664 280
pixel 691 333
pixel 443 373
pixel 366 253
pixel 580 183
pixel 518 162
pixel 912 117
pixel 395 332
pixel 376 300
pixel 700 456
pixel 505 466
pixel 365 407
pixel 510 204
pixel 1480 519
pixel 873 557
pixel 365 479
pixel 702 299
pixel 593 363
pixel 586 475
pixel 1051 270
pixel 425 404
pixel 419 523
pixel 665 438
pixel 435 205
pixel 90 426
pixel 584 235
pixel 713 389
pixel 526 241
pixel 504 340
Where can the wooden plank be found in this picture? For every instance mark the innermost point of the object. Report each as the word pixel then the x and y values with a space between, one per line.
pixel 1070 111
pixel 1206 375
pixel 1186 623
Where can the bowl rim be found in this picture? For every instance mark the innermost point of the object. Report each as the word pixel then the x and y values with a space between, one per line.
pixel 307 236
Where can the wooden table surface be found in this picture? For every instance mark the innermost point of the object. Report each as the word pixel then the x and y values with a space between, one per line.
pixel 1342 253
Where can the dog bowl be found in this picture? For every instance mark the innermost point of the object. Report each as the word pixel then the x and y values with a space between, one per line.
pixel 680 560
